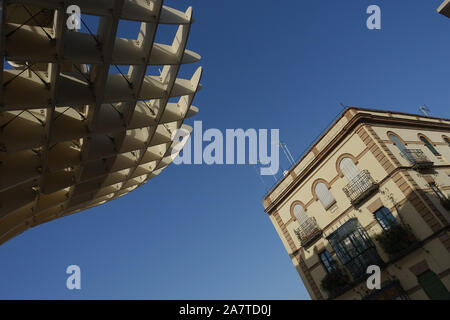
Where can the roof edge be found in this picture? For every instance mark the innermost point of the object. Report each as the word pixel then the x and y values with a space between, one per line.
pixel 353 116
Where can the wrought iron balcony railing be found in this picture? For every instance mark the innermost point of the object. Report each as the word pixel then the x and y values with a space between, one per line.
pixel 417 158
pixel 308 231
pixel 361 187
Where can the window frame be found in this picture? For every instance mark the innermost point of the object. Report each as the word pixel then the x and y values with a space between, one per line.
pixel 437 191
pixel 385 218
pixel 434 290
pixel 329 263
pixel 355 250
pixel 327 200
pixel 430 146
pixel 302 216
pixel 349 168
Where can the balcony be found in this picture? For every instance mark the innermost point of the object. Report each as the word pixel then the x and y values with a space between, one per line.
pixel 335 283
pixel 397 242
pixel 308 232
pixel 392 290
pixel 354 248
pixel 360 188
pixel 417 158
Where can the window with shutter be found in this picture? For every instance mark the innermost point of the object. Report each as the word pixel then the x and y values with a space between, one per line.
pixel 385 218
pixel 327 261
pixel 430 146
pixel 300 214
pixel 349 169
pixel 401 146
pixel 433 286
pixel 324 195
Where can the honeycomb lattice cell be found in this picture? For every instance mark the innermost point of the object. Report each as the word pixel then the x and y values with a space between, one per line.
pixel 76 130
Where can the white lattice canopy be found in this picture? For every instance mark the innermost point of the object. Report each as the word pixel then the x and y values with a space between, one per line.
pixel 76 130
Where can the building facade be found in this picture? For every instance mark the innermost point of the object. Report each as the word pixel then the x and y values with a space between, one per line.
pixel 373 190
pixel 444 8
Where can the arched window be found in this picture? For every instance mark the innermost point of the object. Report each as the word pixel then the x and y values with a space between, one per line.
pixel 398 143
pixel 401 146
pixel 349 169
pixel 385 218
pixel 300 214
pixel 429 145
pixel 324 195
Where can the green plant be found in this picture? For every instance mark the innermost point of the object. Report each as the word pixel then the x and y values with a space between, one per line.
pixel 335 282
pixel 446 203
pixel 395 240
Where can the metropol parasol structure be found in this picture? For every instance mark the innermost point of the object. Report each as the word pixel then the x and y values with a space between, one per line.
pixel 84 117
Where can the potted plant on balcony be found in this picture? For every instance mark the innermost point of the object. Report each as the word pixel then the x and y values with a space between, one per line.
pixel 396 240
pixel 446 203
pixel 335 282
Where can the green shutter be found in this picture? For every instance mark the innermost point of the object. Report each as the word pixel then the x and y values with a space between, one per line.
pixel 433 286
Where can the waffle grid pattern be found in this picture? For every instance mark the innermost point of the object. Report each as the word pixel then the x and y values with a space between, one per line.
pixel 74 135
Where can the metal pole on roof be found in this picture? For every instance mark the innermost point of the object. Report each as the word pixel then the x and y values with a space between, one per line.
pixel 425 110
pixel 273 173
pixel 286 152
pixel 260 177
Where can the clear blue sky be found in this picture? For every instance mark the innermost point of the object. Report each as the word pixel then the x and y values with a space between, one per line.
pixel 201 231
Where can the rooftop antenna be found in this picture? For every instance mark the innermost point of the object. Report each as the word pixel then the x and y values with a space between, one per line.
pixel 260 177
pixel 273 173
pixel 425 110
pixel 286 152
pixel 258 172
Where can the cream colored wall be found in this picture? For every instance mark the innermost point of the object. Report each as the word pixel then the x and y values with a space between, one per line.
pixel 280 233
pixel 337 127
pixel 437 258
pixel 309 157
pixel 442 181
pixel 436 251
pixel 318 274
pixel 408 280
pixel 302 275
pixel 410 136
pixel 436 255
pixel 327 170
pixel 352 145
pixel 405 116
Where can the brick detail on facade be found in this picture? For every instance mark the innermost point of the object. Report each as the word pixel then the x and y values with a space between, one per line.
pixel 445 239
pixel 285 232
pixel 312 284
pixel 419 268
pixel 429 213
pixel 315 289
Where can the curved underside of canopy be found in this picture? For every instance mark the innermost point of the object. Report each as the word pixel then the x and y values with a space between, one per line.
pixel 76 128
